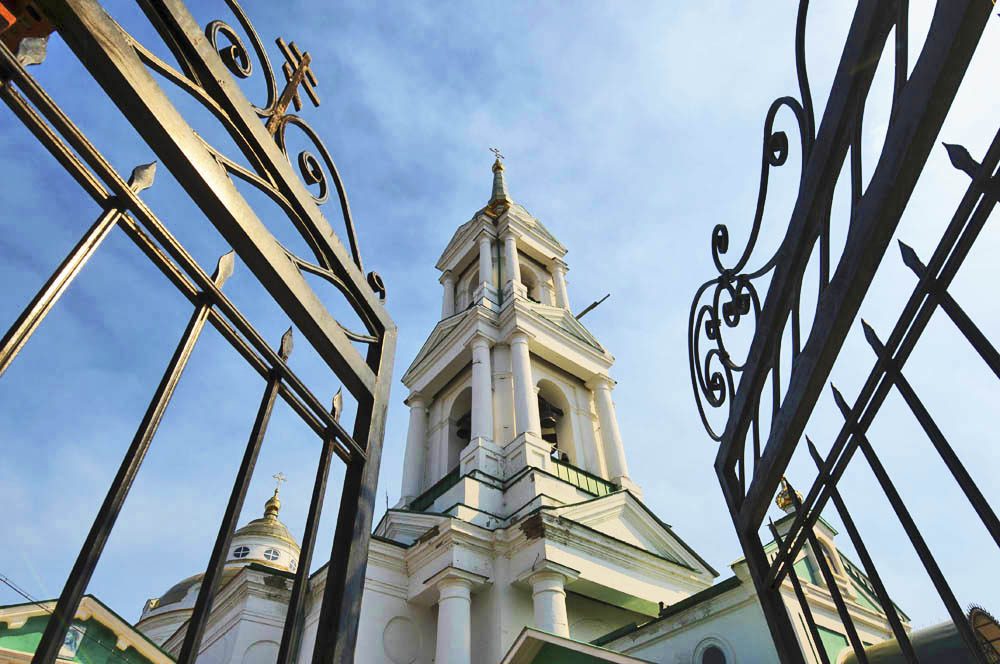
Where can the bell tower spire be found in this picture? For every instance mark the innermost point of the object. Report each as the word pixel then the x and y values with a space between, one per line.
pixel 509 380
pixel 500 201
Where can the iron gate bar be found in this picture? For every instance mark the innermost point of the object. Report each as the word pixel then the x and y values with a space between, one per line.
pixel 69 600
pixel 951 460
pixel 953 247
pixel 958 316
pixel 106 53
pixel 93 187
pixel 806 611
pixel 832 588
pixel 59 281
pixel 916 539
pixel 955 31
pixel 213 571
pixel 290 636
pixel 362 460
pixel 866 560
pixel 349 553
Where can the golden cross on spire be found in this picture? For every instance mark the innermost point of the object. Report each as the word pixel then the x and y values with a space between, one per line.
pixel 280 478
pixel 497 153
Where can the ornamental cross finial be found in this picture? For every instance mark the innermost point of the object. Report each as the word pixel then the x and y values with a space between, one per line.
pixel 297 71
pixel 497 153
pixel 280 478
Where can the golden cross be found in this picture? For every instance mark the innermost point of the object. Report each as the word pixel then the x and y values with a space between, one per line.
pixel 497 153
pixel 296 70
pixel 280 478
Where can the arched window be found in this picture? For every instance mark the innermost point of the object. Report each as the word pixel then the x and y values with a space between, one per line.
pixel 713 655
pixel 556 418
pixel 459 427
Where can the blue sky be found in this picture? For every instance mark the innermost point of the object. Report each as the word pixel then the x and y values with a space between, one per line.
pixel 630 130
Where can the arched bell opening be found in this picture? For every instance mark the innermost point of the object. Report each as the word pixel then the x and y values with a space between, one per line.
pixel 459 426
pixel 555 417
pixel 531 282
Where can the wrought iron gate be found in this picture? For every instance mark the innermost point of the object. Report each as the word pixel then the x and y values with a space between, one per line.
pixel 209 59
pixel 750 471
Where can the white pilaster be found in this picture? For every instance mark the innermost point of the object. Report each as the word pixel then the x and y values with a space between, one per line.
pixel 525 402
pixel 558 269
pixel 448 302
pixel 482 389
pixel 614 450
pixel 511 261
pixel 454 624
pixel 416 442
pixel 486 259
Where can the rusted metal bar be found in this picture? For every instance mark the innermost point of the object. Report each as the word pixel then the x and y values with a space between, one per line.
pixel 39 307
pixel 93 546
pixel 866 560
pixel 213 572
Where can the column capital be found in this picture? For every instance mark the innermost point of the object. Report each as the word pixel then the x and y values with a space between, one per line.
pixel 557 265
pixel 415 400
pixel 518 336
pixel 454 582
pixel 547 570
pixel 446 275
pixel 600 381
pixel 485 236
pixel 478 338
pixel 508 234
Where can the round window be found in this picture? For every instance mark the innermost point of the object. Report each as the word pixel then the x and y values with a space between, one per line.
pixel 713 655
pixel 271 554
pixel 241 552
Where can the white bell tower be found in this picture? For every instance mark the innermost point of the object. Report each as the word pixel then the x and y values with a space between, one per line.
pixel 508 378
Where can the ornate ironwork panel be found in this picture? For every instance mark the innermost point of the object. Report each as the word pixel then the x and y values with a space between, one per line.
pixel 752 459
pixel 208 61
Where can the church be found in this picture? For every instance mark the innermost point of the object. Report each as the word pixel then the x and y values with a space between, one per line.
pixel 519 537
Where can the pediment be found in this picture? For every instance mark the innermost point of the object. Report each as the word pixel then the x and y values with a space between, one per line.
pixel 624 517
pixel 437 336
pixel 569 324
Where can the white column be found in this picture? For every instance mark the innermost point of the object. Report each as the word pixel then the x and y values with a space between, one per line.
pixel 614 450
pixel 549 597
pixel 559 276
pixel 454 626
pixel 512 264
pixel 482 389
pixel 416 441
pixel 525 402
pixel 448 303
pixel 485 259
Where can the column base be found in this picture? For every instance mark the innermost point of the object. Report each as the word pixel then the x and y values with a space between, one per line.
pixel 626 483
pixel 484 455
pixel 528 449
pixel 487 296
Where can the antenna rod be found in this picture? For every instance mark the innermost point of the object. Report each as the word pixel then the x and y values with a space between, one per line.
pixel 591 306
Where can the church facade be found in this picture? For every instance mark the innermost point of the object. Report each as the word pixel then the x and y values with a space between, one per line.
pixel 519 536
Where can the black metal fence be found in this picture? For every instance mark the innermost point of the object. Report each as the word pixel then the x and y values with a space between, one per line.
pixel 751 458
pixel 208 60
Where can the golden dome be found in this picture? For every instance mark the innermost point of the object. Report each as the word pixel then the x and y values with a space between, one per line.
pixel 784 497
pixel 269 525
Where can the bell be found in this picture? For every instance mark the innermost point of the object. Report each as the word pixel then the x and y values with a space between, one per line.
pixel 464 434
pixel 548 421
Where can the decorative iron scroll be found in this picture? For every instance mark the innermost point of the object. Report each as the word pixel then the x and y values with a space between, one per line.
pixel 731 299
pixel 205 70
pixel 319 172
pixel 728 300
